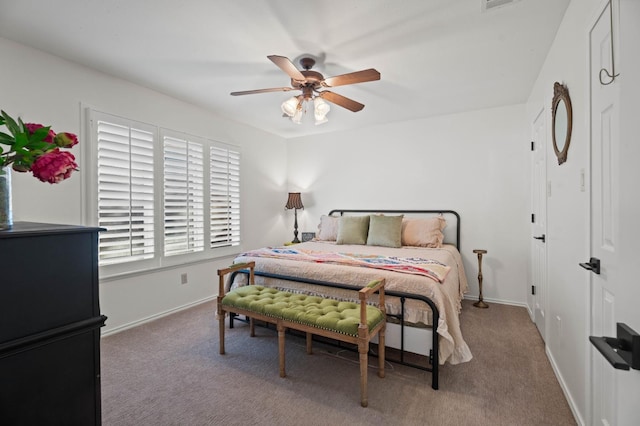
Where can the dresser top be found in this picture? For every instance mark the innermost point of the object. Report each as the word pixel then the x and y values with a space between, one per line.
pixel 21 229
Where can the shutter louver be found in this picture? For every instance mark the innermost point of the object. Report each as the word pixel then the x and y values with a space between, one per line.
pixel 125 193
pixel 224 197
pixel 183 196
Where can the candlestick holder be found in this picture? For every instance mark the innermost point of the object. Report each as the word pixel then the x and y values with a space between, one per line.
pixel 480 303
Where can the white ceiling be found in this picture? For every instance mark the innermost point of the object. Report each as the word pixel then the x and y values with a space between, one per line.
pixel 435 56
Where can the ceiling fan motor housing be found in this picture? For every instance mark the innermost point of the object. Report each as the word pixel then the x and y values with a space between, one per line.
pixel 313 79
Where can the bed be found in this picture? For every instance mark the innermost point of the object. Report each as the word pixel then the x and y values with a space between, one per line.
pixel 416 251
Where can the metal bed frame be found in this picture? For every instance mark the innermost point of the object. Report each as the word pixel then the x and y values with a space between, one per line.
pixel 433 357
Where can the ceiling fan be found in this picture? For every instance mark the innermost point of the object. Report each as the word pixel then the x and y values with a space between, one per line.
pixel 312 85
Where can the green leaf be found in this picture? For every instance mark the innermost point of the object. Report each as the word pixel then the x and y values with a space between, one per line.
pixel 6 139
pixel 40 145
pixel 20 150
pixel 21 141
pixel 39 134
pixel 11 124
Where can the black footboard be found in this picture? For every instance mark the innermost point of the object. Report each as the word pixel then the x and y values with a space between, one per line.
pixel 433 358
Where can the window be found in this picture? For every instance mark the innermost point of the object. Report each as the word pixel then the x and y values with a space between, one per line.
pixel 163 197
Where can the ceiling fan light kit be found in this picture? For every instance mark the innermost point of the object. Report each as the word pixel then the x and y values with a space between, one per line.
pixel 320 110
pixel 311 84
pixel 290 106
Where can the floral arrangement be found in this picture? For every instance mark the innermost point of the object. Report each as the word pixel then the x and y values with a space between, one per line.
pixel 36 148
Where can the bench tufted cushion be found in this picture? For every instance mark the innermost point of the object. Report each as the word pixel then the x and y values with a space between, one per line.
pixel 328 314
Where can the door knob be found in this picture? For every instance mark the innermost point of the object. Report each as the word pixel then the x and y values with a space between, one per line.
pixel 593 265
pixel 543 238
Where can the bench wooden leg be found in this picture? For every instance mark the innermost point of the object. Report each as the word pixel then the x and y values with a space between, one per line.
pixel 221 327
pixel 364 359
pixel 309 341
pixel 252 327
pixel 381 353
pixel 281 334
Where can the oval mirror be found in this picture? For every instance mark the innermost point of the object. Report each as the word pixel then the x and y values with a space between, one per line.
pixel 561 121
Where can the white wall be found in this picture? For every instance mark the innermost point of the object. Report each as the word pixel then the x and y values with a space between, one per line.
pixel 42 88
pixel 476 163
pixel 568 206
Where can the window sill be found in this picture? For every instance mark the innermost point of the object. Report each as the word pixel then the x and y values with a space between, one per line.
pixel 106 276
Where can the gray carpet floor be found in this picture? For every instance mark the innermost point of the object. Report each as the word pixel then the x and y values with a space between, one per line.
pixel 169 372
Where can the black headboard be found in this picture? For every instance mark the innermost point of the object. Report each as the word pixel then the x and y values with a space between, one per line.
pixel 451 232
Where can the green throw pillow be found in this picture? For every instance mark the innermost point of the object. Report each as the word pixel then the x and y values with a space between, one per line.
pixel 385 231
pixel 353 230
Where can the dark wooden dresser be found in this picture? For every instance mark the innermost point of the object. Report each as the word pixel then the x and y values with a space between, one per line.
pixel 49 325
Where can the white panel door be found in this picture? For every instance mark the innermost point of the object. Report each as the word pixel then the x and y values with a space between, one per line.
pixel 539 223
pixel 604 213
pixel 614 231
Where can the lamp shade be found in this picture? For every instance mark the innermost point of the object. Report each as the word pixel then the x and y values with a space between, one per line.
pixel 294 201
pixel 321 107
pixel 290 105
pixel 320 110
pixel 297 117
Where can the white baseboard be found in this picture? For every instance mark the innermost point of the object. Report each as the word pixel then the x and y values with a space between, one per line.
pixel 576 414
pixel 498 301
pixel 132 324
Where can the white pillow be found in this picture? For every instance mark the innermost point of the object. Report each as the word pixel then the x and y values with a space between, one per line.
pixel 328 228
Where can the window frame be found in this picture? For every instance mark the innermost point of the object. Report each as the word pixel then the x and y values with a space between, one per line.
pixel 160 260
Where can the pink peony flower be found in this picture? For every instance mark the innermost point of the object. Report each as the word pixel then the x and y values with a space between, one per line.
pixel 32 127
pixel 65 139
pixel 54 166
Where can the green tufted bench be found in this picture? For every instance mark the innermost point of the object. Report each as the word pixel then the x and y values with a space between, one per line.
pixel 348 322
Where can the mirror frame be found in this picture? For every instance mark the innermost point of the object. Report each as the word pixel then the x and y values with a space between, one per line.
pixel 560 93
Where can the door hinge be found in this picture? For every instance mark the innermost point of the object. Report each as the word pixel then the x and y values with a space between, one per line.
pixel 533 146
pixel 533 218
pixel 533 290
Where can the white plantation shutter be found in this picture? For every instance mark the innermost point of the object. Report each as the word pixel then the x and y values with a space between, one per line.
pixel 183 196
pixel 125 190
pixel 164 197
pixel 224 196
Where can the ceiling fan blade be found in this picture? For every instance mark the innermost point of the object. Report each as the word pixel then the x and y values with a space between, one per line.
pixel 251 92
pixel 287 66
pixel 352 78
pixel 342 101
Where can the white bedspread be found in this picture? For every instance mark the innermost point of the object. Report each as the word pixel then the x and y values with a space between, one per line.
pixel 447 296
